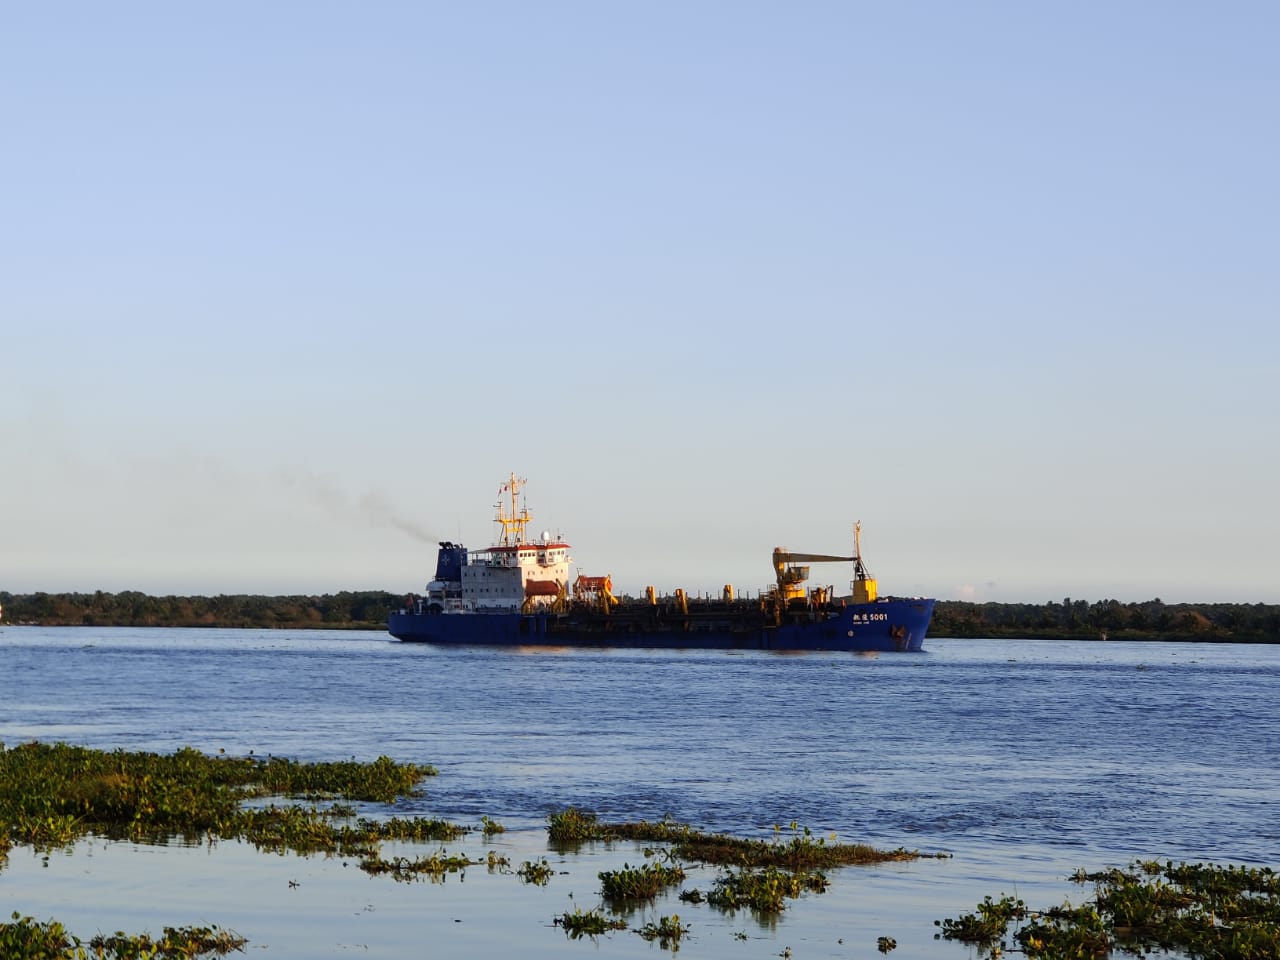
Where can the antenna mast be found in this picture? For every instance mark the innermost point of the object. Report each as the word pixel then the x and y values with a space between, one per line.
pixel 513 523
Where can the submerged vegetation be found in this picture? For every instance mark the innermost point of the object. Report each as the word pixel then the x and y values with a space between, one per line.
pixel 1195 910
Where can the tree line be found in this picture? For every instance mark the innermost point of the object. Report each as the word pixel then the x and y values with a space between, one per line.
pixel 1110 619
pixel 368 609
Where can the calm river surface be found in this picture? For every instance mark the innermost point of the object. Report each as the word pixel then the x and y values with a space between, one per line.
pixel 1022 759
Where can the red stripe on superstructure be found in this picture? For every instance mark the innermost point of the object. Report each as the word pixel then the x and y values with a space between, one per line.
pixel 524 547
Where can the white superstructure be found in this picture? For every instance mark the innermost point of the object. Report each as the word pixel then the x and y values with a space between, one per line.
pixel 514 574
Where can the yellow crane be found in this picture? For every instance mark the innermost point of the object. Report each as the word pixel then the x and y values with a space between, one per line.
pixel 792 570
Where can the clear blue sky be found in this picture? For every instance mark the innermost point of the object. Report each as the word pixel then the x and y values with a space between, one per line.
pixel 288 289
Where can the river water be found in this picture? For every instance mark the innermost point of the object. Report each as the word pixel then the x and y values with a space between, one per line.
pixel 1023 760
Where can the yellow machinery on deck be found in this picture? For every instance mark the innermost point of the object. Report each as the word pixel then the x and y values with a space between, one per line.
pixel 792 571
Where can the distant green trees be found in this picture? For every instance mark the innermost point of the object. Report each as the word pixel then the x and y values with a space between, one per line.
pixel 1079 619
pixel 357 609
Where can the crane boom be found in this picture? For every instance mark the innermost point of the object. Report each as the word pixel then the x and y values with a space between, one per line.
pixel 792 572
pixel 782 556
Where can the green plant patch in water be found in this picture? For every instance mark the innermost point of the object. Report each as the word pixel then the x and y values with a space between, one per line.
pixel 801 850
pixel 572 827
pixel 986 926
pixel 668 931
pixel 53 794
pixel 1198 910
pixel 404 869
pixel 764 890
pixel 176 942
pixel 639 883
pixel 587 923
pixel 24 938
pixel 539 874
pixel 411 828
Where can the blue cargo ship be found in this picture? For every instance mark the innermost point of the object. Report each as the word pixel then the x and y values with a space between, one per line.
pixel 518 592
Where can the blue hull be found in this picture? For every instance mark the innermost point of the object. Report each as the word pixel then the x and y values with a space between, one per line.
pixel 890 625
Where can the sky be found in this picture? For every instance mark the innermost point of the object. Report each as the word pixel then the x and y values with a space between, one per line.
pixel 288 290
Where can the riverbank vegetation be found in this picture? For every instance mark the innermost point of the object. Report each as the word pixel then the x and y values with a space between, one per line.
pixel 348 610
pixel 368 610
pixel 1109 619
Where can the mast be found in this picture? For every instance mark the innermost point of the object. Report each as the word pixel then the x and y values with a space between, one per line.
pixel 864 585
pixel 512 523
pixel 859 571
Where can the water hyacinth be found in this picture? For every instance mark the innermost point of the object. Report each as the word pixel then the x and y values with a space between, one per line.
pixel 52 794
pixel 587 923
pixel 1200 910
pixel 25 938
pixel 668 931
pixel 539 873
pixel 763 890
pixel 801 850
pixel 404 869
pixel 639 883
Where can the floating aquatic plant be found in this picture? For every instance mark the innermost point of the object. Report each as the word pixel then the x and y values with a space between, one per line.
pixel 404 869
pixel 176 942
pixel 587 923
pixel 985 927
pixel 639 883
pixel 572 827
pixel 768 872
pixel 1200 910
pixel 764 890
pixel 536 873
pixel 800 850
pixel 24 938
pixel 667 931
pixel 53 794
